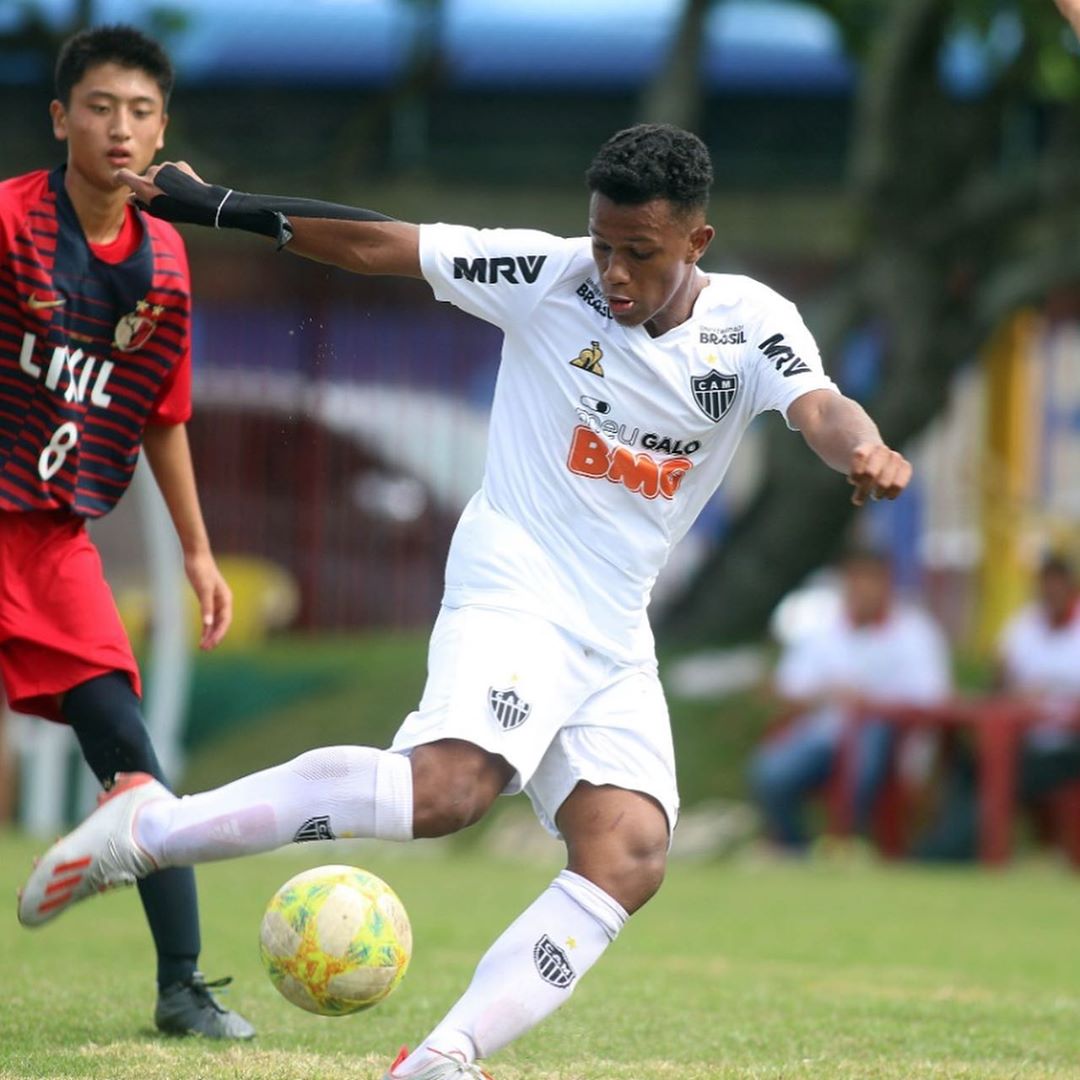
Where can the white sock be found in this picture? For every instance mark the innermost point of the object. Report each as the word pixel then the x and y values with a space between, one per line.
pixel 332 792
pixel 528 973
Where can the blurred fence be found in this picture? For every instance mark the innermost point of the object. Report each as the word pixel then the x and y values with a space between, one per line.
pixel 338 433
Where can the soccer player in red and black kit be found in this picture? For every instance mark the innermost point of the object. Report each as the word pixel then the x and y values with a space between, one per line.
pixel 94 363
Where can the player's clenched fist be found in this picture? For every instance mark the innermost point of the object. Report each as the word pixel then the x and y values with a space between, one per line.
pixel 877 472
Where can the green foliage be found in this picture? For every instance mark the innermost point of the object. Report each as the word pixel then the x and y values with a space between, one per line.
pixel 1009 30
pixel 807 972
pixel 857 21
pixel 268 704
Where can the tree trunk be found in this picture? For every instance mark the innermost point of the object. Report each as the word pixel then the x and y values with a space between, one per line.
pixel 674 96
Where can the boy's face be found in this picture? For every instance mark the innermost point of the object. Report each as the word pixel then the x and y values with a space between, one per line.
pixel 115 118
pixel 645 254
pixel 867 590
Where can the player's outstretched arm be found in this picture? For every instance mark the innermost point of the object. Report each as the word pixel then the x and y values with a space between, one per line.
pixel 363 241
pixel 840 432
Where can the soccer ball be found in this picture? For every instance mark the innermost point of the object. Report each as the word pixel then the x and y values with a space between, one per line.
pixel 335 940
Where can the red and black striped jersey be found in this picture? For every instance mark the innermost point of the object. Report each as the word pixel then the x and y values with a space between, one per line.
pixel 94 343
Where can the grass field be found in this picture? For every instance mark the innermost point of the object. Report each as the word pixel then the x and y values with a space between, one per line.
pixel 735 970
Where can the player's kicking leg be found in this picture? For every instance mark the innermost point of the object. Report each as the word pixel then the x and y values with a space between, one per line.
pixel 351 791
pixel 617 843
pixel 480 709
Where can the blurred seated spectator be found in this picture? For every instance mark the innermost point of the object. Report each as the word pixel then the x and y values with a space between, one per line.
pixel 1038 663
pixel 872 650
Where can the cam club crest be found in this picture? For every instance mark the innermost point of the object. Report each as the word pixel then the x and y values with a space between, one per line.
pixel 553 964
pixel 509 710
pixel 315 828
pixel 715 393
pixel 134 329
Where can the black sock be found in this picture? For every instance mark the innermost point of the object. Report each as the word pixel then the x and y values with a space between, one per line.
pixel 105 715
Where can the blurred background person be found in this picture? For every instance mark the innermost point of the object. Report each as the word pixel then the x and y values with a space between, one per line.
pixel 873 650
pixel 1038 664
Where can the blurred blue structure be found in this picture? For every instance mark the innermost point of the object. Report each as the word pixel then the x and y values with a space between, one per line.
pixel 749 45
pixel 605 44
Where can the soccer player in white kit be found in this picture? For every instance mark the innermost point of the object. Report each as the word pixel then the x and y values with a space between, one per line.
pixel 628 376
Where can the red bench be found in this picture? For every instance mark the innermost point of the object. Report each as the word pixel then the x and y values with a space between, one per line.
pixel 996 727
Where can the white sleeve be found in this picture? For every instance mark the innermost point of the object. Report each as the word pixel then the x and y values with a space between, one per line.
pixel 498 275
pixel 786 359
pixel 802 671
pixel 927 665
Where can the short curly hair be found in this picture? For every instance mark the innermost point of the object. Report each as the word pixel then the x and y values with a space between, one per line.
pixel 653 161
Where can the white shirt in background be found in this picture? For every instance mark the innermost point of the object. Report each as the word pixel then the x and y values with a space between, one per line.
pixel 903 659
pixel 1043 659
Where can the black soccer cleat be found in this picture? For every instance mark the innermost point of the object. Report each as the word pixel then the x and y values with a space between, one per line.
pixel 189 1008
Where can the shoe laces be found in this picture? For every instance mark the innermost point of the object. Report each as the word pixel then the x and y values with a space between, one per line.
pixel 202 989
pixel 465 1068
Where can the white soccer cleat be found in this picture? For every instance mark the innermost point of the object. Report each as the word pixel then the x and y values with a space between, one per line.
pixel 452 1067
pixel 99 854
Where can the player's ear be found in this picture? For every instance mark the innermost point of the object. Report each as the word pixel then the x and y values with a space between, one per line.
pixel 699 240
pixel 59 119
pixel 160 144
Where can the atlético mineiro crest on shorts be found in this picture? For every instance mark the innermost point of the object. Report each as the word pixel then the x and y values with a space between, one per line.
pixel 134 329
pixel 508 708
pixel 715 393
pixel 553 964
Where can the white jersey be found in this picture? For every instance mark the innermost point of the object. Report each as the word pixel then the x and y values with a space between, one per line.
pixel 605 443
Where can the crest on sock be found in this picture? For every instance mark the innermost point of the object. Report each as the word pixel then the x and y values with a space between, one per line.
pixel 315 828
pixel 553 964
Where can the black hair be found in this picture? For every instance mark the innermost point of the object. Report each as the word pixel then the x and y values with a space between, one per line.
pixel 866 555
pixel 123 45
pixel 1054 564
pixel 653 161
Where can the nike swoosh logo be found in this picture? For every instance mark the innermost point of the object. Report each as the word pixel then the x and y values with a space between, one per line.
pixel 37 304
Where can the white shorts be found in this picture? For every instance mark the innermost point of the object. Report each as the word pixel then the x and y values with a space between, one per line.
pixel 556 710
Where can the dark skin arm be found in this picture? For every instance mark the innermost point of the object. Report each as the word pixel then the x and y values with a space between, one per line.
pixel 841 433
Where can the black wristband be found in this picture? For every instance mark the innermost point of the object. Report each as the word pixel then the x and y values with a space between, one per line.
pixel 190 201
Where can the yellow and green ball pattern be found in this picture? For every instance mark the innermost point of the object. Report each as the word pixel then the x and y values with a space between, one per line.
pixel 335 940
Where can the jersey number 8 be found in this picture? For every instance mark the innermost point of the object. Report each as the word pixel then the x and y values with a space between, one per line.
pixel 57 449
